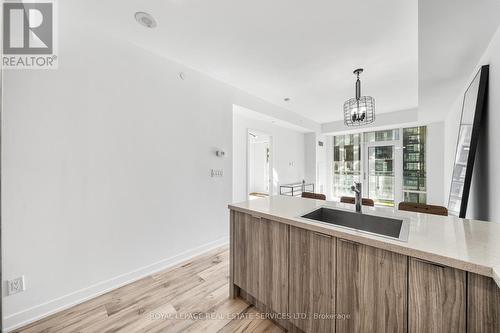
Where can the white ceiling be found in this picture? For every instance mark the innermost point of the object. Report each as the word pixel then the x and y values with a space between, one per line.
pixel 242 111
pixel 453 34
pixel 304 50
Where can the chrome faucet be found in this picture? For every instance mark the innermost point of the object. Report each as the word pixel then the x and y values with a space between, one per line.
pixel 357 196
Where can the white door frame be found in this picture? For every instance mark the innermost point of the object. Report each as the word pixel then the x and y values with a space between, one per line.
pixel 271 160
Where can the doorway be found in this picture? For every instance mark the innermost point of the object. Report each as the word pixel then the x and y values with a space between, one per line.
pixel 259 165
pixel 382 174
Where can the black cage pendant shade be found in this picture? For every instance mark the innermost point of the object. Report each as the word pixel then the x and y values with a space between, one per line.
pixel 360 110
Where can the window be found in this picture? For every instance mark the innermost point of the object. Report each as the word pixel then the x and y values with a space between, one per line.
pixel 390 163
pixel 377 136
pixel 414 173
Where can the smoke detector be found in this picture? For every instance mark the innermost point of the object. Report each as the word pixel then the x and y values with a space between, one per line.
pixel 145 19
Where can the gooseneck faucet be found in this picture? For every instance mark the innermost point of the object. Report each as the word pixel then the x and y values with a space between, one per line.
pixel 357 196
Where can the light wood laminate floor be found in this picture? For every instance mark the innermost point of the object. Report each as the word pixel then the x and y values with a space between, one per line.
pixel 191 297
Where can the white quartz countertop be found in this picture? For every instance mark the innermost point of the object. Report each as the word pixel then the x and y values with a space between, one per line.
pixel 465 244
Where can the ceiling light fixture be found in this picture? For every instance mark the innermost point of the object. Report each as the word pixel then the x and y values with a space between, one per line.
pixel 286 99
pixel 145 19
pixel 360 110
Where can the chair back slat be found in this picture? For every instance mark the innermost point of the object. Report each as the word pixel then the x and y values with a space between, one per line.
pixel 423 208
pixel 311 195
pixel 352 200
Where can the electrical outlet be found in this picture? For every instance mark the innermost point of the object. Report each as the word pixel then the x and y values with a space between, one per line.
pixel 16 285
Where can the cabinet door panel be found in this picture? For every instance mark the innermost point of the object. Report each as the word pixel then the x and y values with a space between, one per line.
pixel 371 289
pixel 483 299
pixel 436 298
pixel 260 260
pixel 247 232
pixel 273 289
pixel 312 280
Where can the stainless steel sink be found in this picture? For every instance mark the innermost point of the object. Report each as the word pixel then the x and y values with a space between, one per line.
pixel 378 225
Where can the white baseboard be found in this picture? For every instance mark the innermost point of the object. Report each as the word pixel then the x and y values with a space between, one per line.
pixel 40 311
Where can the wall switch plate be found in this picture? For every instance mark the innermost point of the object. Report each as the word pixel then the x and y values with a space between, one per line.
pixel 217 173
pixel 16 285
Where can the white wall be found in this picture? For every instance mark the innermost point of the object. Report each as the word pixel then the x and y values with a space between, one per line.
pixel 287 153
pixel 321 165
pixel 403 118
pixel 435 163
pixel 104 160
pixel 315 161
pixel 310 157
pixel 485 187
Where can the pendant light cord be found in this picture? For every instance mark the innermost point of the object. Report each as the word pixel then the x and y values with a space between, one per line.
pixel 358 87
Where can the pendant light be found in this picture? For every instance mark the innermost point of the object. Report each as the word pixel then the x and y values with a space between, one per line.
pixel 360 110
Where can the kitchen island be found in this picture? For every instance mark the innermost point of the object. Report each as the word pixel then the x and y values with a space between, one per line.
pixel 318 277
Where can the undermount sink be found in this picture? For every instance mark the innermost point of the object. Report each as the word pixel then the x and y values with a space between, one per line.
pixel 378 225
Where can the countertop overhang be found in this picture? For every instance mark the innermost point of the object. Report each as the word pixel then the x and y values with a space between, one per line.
pixel 465 244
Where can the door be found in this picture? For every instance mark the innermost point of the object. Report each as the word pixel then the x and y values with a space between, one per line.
pixel 312 280
pixel 259 165
pixel 381 173
pixel 436 298
pixel 371 289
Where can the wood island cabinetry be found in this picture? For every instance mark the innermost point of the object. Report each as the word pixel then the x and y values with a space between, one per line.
pixel 284 269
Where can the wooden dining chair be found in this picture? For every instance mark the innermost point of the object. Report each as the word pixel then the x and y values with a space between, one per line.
pixel 423 208
pixel 310 195
pixel 351 200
